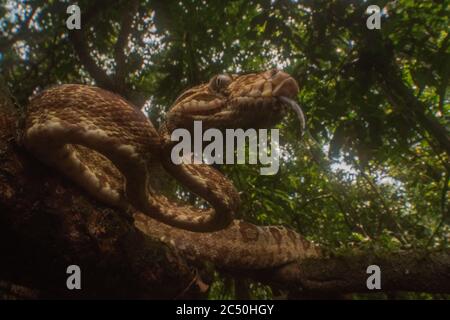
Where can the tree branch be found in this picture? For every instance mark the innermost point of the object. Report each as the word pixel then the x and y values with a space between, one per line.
pixel 46 224
pixel 119 54
pixel 400 271
pixel 79 44
pixel 401 97
pixel 77 37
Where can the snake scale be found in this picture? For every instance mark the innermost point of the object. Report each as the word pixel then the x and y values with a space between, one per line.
pixel 110 149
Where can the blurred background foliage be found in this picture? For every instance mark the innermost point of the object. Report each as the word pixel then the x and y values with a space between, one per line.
pixel 369 174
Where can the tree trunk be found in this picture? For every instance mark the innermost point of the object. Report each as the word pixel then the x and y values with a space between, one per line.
pixel 47 224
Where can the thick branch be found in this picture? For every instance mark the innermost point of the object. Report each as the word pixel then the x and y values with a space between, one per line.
pixel 119 54
pixel 117 82
pixel 46 224
pixel 402 271
pixel 80 45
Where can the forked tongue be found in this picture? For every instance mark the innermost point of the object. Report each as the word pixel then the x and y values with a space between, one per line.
pixel 294 105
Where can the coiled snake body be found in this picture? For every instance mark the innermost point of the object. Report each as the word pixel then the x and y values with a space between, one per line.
pixel 82 129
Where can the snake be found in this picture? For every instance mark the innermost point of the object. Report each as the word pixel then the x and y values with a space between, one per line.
pixel 110 148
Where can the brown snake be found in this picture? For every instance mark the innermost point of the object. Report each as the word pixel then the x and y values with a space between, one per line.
pixel 81 130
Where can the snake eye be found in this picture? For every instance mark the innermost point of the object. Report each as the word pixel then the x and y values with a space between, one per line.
pixel 273 72
pixel 220 82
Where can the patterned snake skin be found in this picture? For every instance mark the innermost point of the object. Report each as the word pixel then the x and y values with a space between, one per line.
pixel 81 130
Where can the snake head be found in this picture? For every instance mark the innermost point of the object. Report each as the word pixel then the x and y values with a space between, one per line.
pixel 255 100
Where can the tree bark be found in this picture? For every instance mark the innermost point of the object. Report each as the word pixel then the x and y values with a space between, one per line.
pixel 46 224
pixel 400 271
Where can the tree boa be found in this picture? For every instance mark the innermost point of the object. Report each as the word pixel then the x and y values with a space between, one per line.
pixel 109 148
